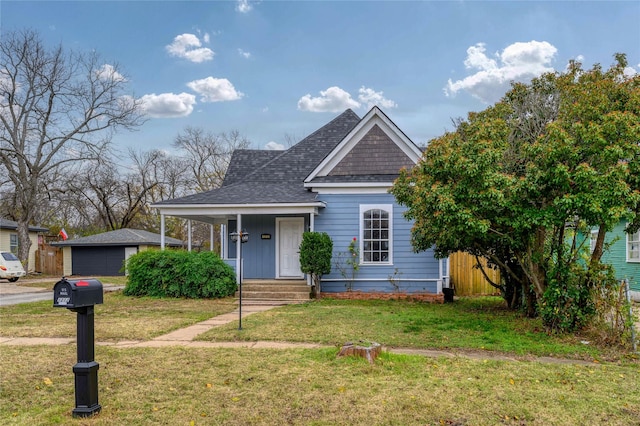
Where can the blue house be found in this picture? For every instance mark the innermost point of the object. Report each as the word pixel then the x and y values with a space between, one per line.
pixel 336 180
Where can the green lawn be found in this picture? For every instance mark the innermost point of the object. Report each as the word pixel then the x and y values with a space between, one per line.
pixel 119 318
pixel 469 323
pixel 180 386
pixel 205 386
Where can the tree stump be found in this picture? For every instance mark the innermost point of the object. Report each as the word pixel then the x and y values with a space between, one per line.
pixel 370 353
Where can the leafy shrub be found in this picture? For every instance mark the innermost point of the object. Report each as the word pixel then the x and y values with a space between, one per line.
pixel 315 256
pixel 179 273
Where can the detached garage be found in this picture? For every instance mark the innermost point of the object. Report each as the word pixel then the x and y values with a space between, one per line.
pixel 104 254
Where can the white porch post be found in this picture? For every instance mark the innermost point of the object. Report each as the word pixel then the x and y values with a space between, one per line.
pixel 162 231
pixel 223 241
pixel 189 234
pixel 238 249
pixel 312 227
pixel 210 237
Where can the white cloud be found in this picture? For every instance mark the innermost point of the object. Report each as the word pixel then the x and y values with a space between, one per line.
pixel 187 46
pixel 108 72
pixel 517 62
pixel 371 98
pixel 243 6
pixel 215 89
pixel 274 146
pixel 244 54
pixel 206 38
pixel 630 71
pixel 168 105
pixel 334 99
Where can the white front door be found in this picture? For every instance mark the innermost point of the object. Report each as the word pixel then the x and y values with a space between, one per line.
pixel 289 233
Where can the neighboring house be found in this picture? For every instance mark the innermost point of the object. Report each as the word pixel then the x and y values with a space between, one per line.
pixel 624 255
pixel 336 180
pixel 9 239
pixel 104 254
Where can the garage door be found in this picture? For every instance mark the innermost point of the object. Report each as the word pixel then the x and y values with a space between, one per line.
pixel 97 260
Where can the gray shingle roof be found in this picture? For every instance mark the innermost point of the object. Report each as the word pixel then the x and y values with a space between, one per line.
pixel 375 153
pixel 279 178
pixel 245 161
pixel 10 224
pixel 121 237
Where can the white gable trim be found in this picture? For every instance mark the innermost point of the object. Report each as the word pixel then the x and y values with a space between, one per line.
pixel 373 117
pixel 351 188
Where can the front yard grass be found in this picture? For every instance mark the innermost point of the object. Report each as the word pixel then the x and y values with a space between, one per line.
pixel 202 386
pixel 469 323
pixel 119 318
pixel 197 386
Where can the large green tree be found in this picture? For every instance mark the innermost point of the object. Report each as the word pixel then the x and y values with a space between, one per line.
pixel 517 180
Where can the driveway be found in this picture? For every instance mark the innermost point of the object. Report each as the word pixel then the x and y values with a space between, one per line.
pixel 17 292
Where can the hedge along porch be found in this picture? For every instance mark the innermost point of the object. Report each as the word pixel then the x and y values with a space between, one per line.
pixel 336 180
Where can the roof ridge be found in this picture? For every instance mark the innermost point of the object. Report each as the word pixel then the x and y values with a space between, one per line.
pixel 341 116
pixel 135 232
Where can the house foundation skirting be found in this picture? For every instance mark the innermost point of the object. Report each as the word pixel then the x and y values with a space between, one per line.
pixel 378 295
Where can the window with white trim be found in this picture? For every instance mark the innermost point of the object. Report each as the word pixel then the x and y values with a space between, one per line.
pixel 633 247
pixel 376 233
pixel 13 243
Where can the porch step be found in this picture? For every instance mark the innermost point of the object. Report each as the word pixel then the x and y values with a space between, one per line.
pixel 274 291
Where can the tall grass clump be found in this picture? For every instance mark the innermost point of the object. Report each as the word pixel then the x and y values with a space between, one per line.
pixel 179 273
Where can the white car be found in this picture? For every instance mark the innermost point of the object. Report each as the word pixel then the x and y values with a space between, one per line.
pixel 10 266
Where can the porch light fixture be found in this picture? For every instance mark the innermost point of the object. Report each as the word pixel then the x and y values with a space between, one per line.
pixel 243 237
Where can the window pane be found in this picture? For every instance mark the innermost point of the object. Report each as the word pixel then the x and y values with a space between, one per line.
pixel 634 246
pixel 375 236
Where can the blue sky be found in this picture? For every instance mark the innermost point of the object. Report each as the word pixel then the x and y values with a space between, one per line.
pixel 278 70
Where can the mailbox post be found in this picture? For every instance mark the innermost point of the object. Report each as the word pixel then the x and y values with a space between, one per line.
pixel 80 296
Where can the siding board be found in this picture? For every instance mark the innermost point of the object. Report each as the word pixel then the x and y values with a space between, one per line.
pixel 413 272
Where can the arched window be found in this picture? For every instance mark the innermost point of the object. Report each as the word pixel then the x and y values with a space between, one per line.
pixel 375 234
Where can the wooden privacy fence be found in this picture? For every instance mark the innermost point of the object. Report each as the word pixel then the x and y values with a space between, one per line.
pixel 469 280
pixel 49 260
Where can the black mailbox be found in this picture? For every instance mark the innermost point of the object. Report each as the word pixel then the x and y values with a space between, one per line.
pixel 77 293
pixel 80 296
